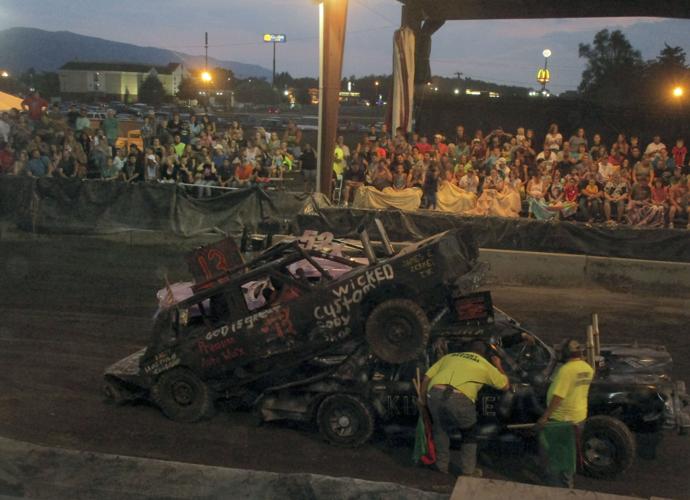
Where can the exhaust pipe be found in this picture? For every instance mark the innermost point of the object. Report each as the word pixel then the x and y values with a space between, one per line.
pixel 590 347
pixel 366 246
pixel 595 328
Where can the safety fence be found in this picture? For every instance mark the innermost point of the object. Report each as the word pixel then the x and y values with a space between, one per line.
pixel 50 205
pixel 671 245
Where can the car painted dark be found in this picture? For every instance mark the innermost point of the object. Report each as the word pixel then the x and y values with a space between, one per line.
pixel 633 385
pixel 255 322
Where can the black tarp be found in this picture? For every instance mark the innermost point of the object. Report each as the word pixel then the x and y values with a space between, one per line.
pixel 86 207
pixel 89 207
pixel 512 234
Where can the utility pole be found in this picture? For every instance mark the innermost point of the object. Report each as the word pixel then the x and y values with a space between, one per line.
pixel 206 51
pixel 273 78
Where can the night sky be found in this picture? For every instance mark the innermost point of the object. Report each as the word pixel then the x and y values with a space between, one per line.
pixel 507 52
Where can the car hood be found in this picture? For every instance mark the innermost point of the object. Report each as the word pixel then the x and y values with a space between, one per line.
pixel 127 367
pixel 641 363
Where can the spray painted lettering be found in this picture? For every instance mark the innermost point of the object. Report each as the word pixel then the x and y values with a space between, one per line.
pixel 421 263
pixel 279 323
pixel 337 312
pixel 162 362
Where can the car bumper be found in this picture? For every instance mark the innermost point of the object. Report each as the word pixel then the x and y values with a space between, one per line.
pixel 677 409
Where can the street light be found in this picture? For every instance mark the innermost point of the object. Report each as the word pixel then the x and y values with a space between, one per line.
pixel 206 76
pixel 678 92
pixel 456 91
pixel 4 74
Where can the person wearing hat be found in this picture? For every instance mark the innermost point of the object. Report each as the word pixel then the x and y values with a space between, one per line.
pixel 566 401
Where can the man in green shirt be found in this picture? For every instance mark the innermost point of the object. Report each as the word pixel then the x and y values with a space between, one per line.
pixel 453 383
pixel 111 127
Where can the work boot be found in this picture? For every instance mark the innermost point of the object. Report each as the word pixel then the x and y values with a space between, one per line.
pixel 475 473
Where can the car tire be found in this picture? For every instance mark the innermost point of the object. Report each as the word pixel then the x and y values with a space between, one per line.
pixel 345 420
pixel 608 447
pixel 397 330
pixel 114 392
pixel 182 396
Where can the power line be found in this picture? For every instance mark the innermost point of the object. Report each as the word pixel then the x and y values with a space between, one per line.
pixel 298 39
pixel 382 16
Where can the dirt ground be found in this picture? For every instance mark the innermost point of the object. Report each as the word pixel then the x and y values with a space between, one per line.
pixel 72 306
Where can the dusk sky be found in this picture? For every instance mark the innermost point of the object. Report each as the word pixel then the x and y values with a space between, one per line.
pixel 507 52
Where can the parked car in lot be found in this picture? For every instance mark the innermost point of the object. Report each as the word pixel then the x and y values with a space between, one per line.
pixel 308 123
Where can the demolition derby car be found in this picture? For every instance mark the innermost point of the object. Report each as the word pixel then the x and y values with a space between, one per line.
pixel 306 332
pixel 350 394
pixel 250 324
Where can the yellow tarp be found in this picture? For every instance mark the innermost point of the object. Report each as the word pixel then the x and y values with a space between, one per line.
pixel 451 198
pixel 370 197
pixel 8 101
pixel 504 203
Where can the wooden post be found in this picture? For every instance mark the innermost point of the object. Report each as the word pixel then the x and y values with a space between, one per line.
pixel 332 24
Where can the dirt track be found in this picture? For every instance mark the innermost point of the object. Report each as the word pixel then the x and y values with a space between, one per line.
pixel 72 306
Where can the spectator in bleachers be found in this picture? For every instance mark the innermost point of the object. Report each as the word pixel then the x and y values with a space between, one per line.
pixel 616 194
pixel 679 203
pixel 654 147
pixel 641 211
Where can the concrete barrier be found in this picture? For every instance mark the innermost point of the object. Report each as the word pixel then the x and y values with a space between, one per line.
pixel 494 489
pixel 508 267
pixel 624 275
pixel 31 471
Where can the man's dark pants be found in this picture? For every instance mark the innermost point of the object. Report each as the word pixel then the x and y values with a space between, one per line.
pixel 452 411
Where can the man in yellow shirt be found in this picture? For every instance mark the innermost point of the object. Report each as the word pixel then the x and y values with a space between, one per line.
pixel 338 161
pixel 566 401
pixel 452 384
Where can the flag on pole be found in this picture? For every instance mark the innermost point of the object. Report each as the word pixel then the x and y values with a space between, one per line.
pixel 424 448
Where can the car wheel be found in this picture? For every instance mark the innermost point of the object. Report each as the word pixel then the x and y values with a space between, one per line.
pixel 608 447
pixel 397 330
pixel 345 420
pixel 182 396
pixel 114 392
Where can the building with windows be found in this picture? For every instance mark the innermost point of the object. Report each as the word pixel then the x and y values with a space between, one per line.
pixel 115 80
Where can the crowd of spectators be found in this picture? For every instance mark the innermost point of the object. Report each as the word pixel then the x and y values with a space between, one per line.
pixel 581 177
pixel 40 141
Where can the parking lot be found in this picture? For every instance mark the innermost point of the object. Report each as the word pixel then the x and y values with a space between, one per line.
pixel 74 305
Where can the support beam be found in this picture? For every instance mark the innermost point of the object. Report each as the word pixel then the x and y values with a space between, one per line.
pixel 332 25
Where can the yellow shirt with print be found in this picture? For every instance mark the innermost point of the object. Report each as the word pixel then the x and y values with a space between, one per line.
pixel 571 383
pixel 468 372
pixel 339 161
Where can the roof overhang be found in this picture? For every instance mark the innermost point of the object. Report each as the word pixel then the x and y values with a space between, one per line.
pixel 543 9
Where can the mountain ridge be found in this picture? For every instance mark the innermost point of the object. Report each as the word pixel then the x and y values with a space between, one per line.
pixel 22 48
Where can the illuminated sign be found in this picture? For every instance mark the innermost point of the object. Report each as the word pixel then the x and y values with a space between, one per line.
pixel 543 76
pixel 273 38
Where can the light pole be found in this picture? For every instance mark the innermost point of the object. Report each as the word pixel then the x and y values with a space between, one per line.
pixel 274 39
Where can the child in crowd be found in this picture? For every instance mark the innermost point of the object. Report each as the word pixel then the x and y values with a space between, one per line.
pixel 659 192
pixel 591 191
pixel 679 153
pixel 430 188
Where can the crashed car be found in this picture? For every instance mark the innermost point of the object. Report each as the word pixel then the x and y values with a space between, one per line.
pixel 242 330
pixel 350 394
